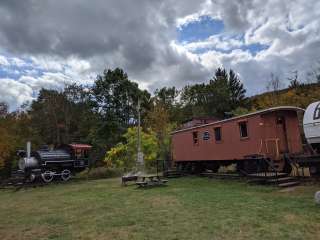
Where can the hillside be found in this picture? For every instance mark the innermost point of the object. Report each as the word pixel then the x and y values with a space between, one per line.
pixel 300 96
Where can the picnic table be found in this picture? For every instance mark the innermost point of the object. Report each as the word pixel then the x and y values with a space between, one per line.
pixel 128 178
pixel 150 180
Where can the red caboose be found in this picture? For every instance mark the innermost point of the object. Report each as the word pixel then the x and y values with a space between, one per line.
pixel 270 135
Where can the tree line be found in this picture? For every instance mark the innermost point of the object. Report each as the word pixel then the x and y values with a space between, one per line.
pixel 105 114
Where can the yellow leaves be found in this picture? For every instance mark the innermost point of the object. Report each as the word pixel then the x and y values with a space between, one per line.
pixel 116 156
pixel 125 154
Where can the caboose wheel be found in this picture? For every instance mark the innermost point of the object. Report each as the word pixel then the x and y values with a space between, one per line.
pixel 65 175
pixel 47 176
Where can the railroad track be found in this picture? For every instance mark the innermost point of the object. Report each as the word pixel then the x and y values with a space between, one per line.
pixel 17 184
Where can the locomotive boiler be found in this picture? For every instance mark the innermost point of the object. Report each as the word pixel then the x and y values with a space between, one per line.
pixel 48 164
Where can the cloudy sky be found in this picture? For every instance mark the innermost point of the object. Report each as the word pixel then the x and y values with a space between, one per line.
pixel 49 43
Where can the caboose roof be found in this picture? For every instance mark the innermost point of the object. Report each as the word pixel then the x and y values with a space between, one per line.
pixel 273 109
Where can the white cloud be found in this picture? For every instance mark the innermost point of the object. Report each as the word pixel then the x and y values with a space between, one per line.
pixel 3 61
pixel 216 41
pixel 47 80
pixel 18 62
pixel 291 29
pixel 48 63
pixel 14 92
pixel 141 38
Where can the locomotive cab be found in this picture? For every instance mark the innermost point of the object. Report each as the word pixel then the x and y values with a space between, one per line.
pixel 80 154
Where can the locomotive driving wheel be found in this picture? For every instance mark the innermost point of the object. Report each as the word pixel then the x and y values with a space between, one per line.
pixel 47 176
pixel 31 178
pixel 65 175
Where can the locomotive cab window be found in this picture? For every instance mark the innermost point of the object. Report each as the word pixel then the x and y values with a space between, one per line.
pixel 217 134
pixel 195 138
pixel 243 129
pixel 78 153
pixel 85 153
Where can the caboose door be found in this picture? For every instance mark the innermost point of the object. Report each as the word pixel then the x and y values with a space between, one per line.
pixel 282 134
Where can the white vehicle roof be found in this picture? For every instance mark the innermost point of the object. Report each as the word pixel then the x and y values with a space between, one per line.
pixel 312 113
pixel 311 123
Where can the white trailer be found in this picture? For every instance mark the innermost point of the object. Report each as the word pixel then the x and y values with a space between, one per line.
pixel 311 129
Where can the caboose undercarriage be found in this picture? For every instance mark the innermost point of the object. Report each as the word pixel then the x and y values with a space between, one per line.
pixel 248 165
pixel 254 164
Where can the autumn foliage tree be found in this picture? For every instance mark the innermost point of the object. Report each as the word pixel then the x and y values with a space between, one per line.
pixel 14 132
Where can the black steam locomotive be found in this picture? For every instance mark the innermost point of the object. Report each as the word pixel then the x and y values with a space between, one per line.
pixel 48 164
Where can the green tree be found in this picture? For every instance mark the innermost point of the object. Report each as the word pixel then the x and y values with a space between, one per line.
pixel 222 94
pixel 158 120
pixel 115 100
pixel 124 155
pixel 237 90
pixel 167 98
pixel 62 117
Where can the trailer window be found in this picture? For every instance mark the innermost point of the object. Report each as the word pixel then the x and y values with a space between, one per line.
pixel 217 134
pixel 316 114
pixel 243 129
pixel 195 138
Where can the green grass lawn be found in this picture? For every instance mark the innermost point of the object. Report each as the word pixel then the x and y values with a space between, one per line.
pixel 189 208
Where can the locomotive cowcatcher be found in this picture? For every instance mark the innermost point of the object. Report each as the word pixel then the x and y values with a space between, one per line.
pixel 46 164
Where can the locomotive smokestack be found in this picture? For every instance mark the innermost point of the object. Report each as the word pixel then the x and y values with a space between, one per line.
pixel 28 149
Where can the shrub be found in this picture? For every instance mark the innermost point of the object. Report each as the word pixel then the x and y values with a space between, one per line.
pixel 101 172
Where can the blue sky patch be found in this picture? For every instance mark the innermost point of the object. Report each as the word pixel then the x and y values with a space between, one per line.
pixel 15 72
pixel 9 73
pixel 200 30
pixel 255 48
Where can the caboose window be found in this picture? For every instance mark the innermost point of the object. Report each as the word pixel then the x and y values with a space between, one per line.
pixel 195 138
pixel 217 134
pixel 206 135
pixel 243 129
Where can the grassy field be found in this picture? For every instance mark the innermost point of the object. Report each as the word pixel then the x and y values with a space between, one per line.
pixel 189 208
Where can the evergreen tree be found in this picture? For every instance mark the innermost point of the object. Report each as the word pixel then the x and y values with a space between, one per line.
pixel 224 93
